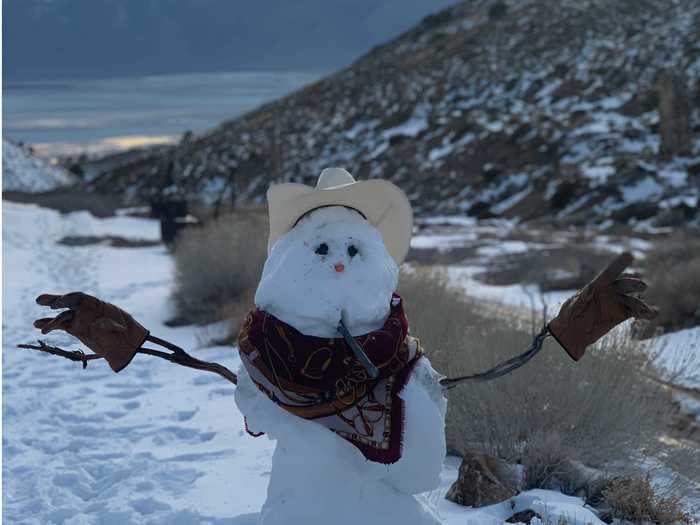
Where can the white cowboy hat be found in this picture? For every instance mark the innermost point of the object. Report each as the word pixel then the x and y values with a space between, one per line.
pixel 382 203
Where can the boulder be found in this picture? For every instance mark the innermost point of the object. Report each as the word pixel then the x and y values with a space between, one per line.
pixel 576 479
pixel 674 114
pixel 524 516
pixel 484 480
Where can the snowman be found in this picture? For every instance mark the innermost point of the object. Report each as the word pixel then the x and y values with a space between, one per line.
pixel 330 370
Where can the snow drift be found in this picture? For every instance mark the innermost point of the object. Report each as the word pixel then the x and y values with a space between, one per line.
pixel 23 172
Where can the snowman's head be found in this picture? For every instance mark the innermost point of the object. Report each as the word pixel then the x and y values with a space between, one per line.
pixel 333 263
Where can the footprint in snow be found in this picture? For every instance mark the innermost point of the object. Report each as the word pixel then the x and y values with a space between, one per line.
pixel 146 506
pixel 164 436
pixel 221 392
pixel 202 456
pixel 185 415
pixel 127 394
pixel 205 380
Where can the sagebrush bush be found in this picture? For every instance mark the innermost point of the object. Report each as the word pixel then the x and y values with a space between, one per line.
pixel 672 269
pixel 552 410
pixel 633 498
pixel 218 267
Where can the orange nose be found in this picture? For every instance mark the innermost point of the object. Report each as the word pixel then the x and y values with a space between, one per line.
pixel 339 267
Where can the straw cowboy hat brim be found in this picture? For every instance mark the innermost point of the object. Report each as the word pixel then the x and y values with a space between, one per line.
pixel 382 203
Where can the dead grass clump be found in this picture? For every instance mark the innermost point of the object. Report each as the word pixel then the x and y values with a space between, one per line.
pixel 672 268
pixel 437 314
pixel 552 410
pixel 115 241
pixel 218 267
pixel 633 498
pixel 235 311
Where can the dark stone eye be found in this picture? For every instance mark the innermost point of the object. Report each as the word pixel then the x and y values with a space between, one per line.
pixel 322 249
pixel 352 251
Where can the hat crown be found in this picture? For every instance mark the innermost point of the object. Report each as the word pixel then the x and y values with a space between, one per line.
pixel 333 178
pixel 384 206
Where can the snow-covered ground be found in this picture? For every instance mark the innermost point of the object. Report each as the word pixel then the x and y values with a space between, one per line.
pixel 23 172
pixel 156 443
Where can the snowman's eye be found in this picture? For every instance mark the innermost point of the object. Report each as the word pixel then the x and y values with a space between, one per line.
pixel 322 249
pixel 352 251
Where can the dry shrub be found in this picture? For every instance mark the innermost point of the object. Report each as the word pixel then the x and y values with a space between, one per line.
pixel 672 268
pixel 235 311
pixel 67 200
pixel 218 267
pixel 437 314
pixel 550 411
pixel 633 498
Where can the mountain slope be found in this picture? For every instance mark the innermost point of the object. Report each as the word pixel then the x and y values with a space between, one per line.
pixel 23 172
pixel 541 109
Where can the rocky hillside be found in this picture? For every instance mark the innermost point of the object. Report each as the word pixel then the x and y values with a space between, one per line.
pixel 579 111
pixel 23 172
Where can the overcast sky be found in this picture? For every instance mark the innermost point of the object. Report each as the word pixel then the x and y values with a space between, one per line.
pixel 51 39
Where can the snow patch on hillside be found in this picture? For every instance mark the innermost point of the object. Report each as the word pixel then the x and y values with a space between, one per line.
pixel 21 171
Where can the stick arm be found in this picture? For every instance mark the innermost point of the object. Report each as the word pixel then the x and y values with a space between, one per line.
pixel 176 355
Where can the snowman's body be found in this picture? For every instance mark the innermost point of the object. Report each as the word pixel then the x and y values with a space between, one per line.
pixel 333 265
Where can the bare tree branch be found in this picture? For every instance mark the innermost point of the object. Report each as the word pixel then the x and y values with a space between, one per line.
pixel 73 355
pixel 178 356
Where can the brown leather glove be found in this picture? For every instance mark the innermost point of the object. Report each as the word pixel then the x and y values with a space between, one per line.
pixel 104 328
pixel 600 306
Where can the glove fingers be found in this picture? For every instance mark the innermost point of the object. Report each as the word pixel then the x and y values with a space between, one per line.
pixel 41 323
pixel 60 322
pixel 47 299
pixel 70 300
pixel 637 308
pixel 614 269
pixel 625 285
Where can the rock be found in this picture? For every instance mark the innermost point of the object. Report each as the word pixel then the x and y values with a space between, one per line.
pixel 524 516
pixel 576 479
pixel 481 210
pixel 566 192
pixel 674 114
pixel 483 480
pixel 636 210
pixel 676 215
pixel 694 169
pixel 498 10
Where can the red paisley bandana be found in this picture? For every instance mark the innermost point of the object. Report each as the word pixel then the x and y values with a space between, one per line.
pixel 320 378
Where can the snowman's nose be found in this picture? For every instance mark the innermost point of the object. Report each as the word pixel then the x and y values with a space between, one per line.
pixel 339 267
